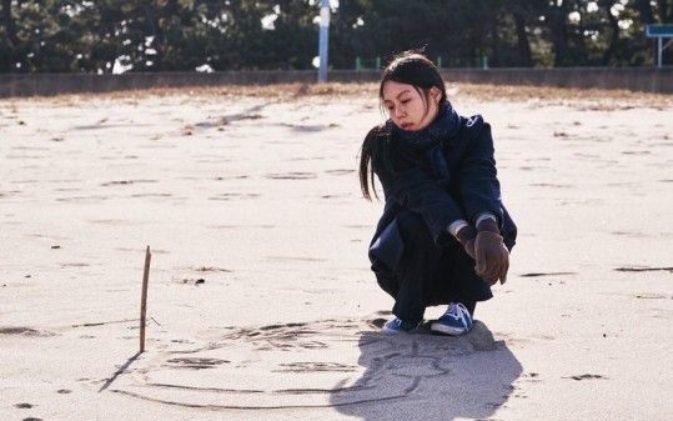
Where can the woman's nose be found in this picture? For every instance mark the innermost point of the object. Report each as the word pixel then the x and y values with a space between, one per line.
pixel 398 112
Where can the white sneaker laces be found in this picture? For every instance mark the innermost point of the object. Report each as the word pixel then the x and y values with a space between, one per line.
pixel 457 311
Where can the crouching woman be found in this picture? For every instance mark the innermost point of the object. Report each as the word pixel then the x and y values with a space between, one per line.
pixel 444 237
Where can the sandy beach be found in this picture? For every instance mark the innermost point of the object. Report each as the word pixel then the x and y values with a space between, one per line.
pixel 261 301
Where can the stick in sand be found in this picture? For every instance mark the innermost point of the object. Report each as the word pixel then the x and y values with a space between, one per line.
pixel 143 299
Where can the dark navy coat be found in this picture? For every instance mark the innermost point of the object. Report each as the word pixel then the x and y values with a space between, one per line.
pixel 466 187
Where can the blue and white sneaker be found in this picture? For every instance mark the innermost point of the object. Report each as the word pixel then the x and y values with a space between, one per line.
pixel 456 321
pixel 395 326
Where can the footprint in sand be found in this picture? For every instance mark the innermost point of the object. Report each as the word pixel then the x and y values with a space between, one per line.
pixel 24 331
pixel 126 182
pixel 83 199
pixel 295 258
pixel 74 265
pixel 553 185
pixel 539 274
pixel 191 281
pixel 635 152
pixel 113 222
pixel 630 234
pixel 645 269
pixel 301 367
pixel 195 363
pixel 146 195
pixel 294 175
pixel 232 196
pixel 307 127
pixel 340 172
pixel 586 377
pixel 208 269
pixel 650 296
pixel 233 177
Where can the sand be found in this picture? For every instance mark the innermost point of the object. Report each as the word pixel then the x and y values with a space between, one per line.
pixel 261 301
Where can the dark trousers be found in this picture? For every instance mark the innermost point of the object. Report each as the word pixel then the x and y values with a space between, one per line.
pixel 428 274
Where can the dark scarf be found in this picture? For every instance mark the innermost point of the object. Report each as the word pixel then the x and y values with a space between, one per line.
pixel 431 139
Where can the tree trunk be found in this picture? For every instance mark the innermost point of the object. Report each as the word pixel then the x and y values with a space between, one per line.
pixel 10 28
pixel 555 18
pixel 663 10
pixel 645 11
pixel 525 55
pixel 495 39
pixel 153 23
pixel 614 37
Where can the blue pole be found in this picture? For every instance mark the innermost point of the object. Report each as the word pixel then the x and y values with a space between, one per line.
pixel 324 40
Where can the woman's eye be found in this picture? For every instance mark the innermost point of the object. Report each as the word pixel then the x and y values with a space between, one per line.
pixel 404 101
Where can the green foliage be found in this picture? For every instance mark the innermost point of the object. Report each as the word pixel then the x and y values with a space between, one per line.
pixel 168 35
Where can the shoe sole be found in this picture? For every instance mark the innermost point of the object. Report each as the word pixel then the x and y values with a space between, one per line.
pixel 397 332
pixel 447 330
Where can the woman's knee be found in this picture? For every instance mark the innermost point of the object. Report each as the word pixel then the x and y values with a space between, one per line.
pixel 385 278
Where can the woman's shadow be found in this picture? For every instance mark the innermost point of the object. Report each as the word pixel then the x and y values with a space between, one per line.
pixel 424 377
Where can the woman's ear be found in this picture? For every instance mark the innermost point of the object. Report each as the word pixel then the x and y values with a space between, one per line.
pixel 435 94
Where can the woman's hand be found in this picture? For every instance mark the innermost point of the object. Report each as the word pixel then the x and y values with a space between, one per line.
pixel 469 249
pixel 466 237
pixel 487 249
pixel 492 257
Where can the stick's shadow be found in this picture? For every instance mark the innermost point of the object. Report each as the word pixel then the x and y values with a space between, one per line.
pixel 426 377
pixel 119 371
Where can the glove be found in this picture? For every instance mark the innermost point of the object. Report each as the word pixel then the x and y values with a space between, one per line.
pixel 466 237
pixel 492 256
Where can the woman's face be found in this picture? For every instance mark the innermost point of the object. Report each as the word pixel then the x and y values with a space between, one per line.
pixel 407 107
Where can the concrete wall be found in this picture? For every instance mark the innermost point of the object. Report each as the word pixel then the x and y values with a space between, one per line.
pixel 65 83
pixel 637 79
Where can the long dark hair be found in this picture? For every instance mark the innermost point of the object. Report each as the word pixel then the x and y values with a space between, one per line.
pixel 411 68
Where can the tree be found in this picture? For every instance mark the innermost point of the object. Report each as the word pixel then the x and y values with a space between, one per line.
pixel 162 35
